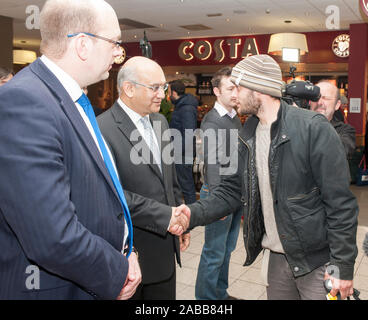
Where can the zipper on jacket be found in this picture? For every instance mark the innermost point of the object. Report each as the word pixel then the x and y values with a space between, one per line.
pixel 249 202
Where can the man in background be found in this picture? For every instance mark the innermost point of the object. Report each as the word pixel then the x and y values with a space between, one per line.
pixel 220 236
pixel 5 75
pixel 184 117
pixel 330 102
pixel 134 130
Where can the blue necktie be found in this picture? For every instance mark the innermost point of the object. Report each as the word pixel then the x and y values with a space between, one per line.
pixel 88 109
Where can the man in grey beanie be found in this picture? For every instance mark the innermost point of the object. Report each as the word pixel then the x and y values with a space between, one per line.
pixel 292 183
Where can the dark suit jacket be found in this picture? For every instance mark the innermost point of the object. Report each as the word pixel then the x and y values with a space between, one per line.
pixel 59 209
pixel 156 247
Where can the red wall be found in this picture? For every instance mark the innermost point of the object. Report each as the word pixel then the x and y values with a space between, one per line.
pixel 166 52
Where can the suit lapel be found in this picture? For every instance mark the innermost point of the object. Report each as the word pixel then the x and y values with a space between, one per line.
pixel 73 115
pixel 126 126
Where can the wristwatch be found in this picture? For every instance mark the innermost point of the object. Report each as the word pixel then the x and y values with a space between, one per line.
pixel 125 252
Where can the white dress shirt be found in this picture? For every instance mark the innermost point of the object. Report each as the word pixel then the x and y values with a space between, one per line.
pixel 75 92
pixel 223 111
pixel 136 119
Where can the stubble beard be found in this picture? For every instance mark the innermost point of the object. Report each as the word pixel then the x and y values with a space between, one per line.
pixel 249 106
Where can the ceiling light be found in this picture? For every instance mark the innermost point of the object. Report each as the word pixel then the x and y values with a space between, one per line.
pixel 289 45
pixel 23 56
pixel 290 54
pixel 287 40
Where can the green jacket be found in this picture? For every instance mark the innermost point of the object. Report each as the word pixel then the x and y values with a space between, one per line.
pixel 315 211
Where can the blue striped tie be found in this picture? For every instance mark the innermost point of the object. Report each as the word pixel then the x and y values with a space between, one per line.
pixel 88 109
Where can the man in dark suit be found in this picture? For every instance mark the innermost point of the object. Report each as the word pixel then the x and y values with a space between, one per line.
pixel 135 132
pixel 63 222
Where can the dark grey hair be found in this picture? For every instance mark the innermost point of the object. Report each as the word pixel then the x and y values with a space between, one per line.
pixel 126 73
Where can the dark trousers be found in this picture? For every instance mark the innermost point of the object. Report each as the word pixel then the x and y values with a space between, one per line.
pixel 164 290
pixel 184 173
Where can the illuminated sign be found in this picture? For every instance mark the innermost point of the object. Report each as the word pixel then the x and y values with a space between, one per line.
pixel 340 45
pixel 202 49
pixel 364 6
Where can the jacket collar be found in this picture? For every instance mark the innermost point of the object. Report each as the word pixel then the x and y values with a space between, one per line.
pixel 278 128
pixel 126 126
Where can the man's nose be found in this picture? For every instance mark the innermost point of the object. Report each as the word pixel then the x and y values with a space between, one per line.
pixel 118 51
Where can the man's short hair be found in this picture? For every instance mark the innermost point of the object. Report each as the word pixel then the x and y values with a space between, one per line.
pixel 178 86
pixel 59 18
pixel 126 73
pixel 216 79
pixel 338 95
pixel 5 72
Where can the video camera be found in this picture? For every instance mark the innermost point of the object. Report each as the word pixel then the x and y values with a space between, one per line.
pixel 300 92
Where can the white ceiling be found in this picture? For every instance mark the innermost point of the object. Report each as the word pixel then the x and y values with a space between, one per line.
pixel 168 15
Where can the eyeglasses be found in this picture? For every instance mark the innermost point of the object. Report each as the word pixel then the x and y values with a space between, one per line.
pixel 118 44
pixel 155 88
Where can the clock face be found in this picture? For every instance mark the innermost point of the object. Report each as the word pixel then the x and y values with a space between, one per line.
pixel 364 6
pixel 120 59
pixel 340 45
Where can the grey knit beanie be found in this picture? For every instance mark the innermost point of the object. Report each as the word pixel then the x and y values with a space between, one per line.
pixel 259 73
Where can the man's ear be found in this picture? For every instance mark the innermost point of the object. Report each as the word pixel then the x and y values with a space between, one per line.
pixel 128 88
pixel 216 91
pixel 83 46
pixel 338 104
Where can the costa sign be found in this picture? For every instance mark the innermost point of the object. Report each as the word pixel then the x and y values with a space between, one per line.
pixel 364 6
pixel 203 49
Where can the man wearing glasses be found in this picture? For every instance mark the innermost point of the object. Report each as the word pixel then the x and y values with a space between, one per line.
pixel 327 105
pixel 65 227
pixel 135 132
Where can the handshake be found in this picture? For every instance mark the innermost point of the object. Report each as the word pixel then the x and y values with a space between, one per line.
pixel 180 219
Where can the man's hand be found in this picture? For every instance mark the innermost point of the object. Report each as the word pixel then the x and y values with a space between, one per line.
pixel 345 287
pixel 184 240
pixel 179 222
pixel 183 209
pixel 133 279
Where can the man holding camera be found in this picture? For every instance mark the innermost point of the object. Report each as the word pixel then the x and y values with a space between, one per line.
pixel 328 103
pixel 295 205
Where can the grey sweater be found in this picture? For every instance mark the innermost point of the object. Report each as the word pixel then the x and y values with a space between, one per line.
pixel 216 153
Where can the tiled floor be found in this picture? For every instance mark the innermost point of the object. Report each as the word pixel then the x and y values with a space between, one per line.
pixel 245 282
